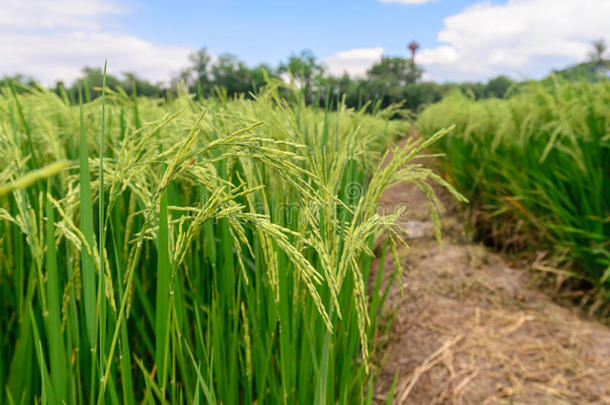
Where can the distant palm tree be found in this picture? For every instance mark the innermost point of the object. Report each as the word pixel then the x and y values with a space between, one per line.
pixel 598 51
pixel 413 47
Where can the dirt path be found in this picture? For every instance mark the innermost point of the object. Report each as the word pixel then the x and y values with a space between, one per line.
pixel 471 329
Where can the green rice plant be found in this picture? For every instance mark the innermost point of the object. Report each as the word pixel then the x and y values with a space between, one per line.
pixel 538 166
pixel 193 251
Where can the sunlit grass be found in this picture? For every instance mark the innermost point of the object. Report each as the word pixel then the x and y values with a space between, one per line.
pixel 538 166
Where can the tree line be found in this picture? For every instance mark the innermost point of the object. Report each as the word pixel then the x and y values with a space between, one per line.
pixel 390 80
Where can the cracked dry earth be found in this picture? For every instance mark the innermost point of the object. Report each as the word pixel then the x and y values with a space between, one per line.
pixel 471 328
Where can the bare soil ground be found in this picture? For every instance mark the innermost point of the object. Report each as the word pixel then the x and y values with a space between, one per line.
pixel 472 328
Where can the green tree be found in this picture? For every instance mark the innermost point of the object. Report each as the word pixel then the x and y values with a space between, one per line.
pixel 227 72
pixel 142 87
pixel 92 81
pixel 232 74
pixel 197 74
pixel 259 76
pixel 596 68
pixel 395 71
pixel 421 94
pixel 305 69
pixel 498 86
pixel 20 79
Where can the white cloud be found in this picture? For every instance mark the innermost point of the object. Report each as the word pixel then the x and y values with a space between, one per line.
pixel 522 38
pixel 55 13
pixel 442 55
pixel 62 56
pixel 354 62
pixel 408 2
pixel 54 40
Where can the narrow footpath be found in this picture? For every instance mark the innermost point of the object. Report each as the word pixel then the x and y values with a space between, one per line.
pixel 471 327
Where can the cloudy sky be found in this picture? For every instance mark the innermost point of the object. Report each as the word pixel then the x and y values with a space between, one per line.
pixel 460 39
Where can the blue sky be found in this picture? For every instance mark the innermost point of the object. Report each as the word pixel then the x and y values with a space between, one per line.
pixel 460 39
pixel 269 31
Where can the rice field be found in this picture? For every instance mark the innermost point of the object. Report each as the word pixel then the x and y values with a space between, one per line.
pixel 536 167
pixel 194 251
